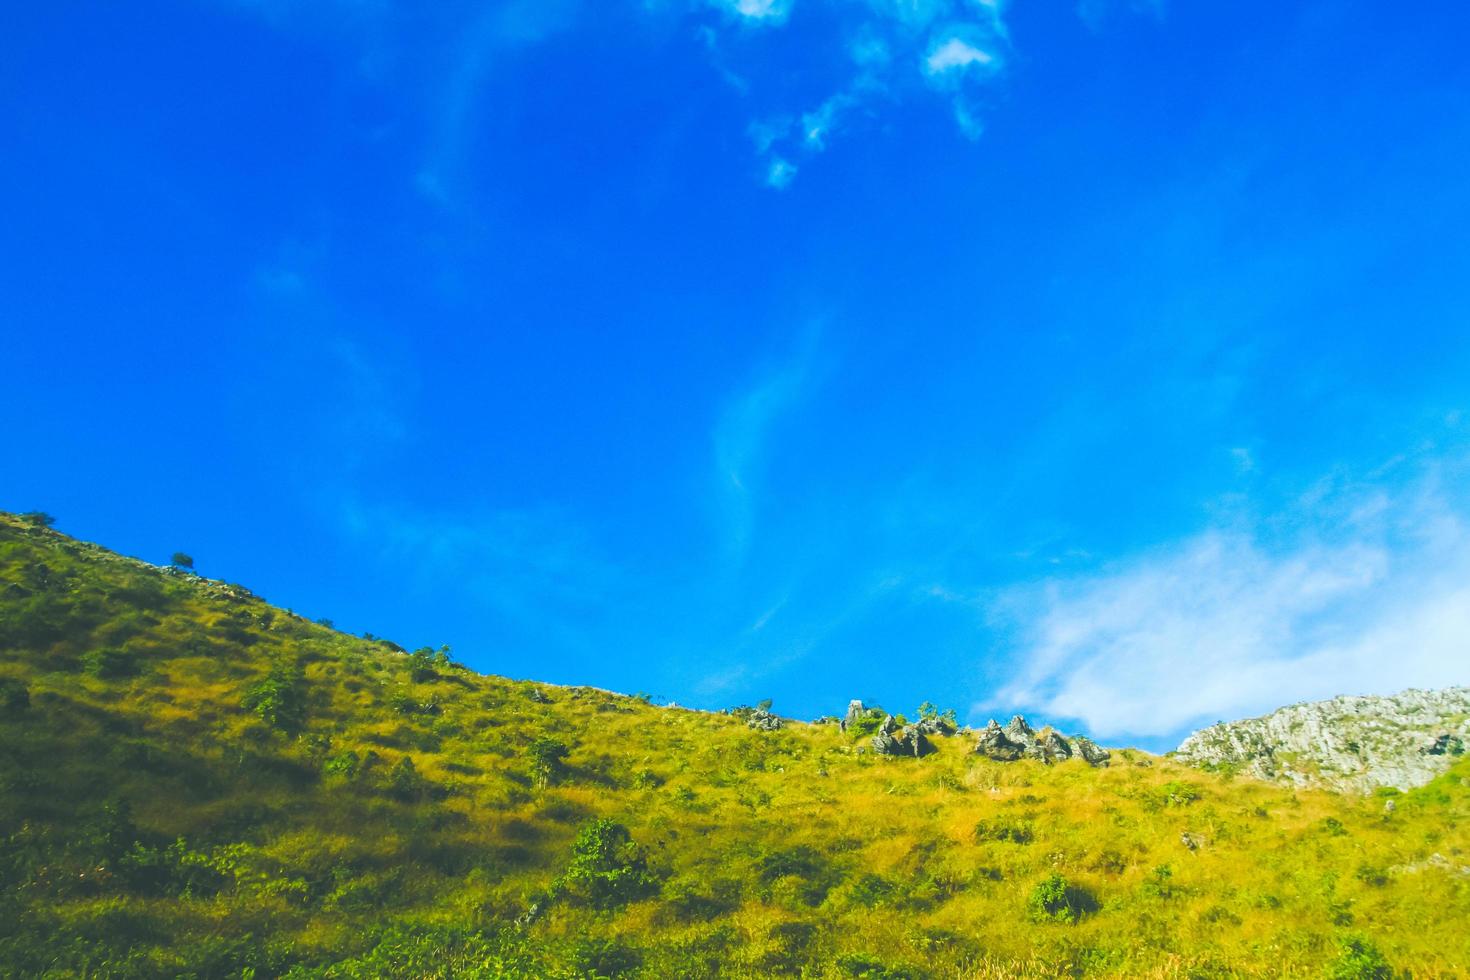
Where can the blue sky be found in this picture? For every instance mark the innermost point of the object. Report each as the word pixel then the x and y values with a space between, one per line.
pixel 1108 362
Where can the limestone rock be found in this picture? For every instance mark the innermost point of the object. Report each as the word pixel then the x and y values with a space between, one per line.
pixel 934 726
pixel 762 721
pixel 1347 743
pixel 994 744
pixel 909 741
pixel 1018 740
pixel 1049 747
pixel 1091 752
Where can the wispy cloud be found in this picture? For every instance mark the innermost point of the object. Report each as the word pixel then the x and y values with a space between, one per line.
pixel 1357 587
pixel 885 50
pixel 756 10
pixel 741 434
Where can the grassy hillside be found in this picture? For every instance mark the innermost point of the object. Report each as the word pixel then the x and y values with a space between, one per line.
pixel 194 783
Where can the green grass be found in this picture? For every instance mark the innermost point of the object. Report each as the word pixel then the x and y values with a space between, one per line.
pixel 194 783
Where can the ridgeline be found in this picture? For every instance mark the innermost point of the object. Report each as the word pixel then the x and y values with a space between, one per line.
pixel 196 784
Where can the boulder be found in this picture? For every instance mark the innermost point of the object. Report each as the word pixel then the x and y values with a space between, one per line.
pixel 889 726
pixel 886 744
pixel 762 721
pixel 1018 740
pixel 1018 731
pixel 916 742
pixel 1047 746
pixel 993 743
pixel 855 711
pixel 1092 753
pixel 910 741
pixel 934 726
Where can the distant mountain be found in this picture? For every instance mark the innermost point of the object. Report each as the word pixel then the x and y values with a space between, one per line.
pixel 1348 743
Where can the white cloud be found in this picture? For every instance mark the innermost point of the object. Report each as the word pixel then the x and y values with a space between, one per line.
pixel 772 10
pixel 954 54
pixel 1363 590
pixel 893 48
pixel 819 123
pixel 780 173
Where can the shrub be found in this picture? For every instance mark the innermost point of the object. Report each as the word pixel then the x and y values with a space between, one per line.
pixel 111 664
pixel 702 901
pixel 872 890
pixel 1005 830
pixel 421 665
pixel 1054 899
pixel 548 760
pixel 867 724
pixel 1359 959
pixel 345 764
pixel 867 967
pixel 181 560
pixel 597 958
pixel 1175 793
pixel 14 696
pixel 789 945
pixel 279 700
pixel 38 518
pixel 1159 883
pixel 1373 877
pixel 806 864
pixel 405 783
pixel 607 869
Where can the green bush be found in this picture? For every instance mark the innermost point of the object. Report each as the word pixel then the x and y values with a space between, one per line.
pixel 345 764
pixel 871 891
pixel 607 869
pixel 1359 959
pixel 1006 830
pixel 596 959
pixel 1159 883
pixel 1054 899
pixel 14 696
pixel 280 699
pixel 548 760
pixel 866 967
pixel 405 783
pixel 421 665
pixel 1175 793
pixel 111 664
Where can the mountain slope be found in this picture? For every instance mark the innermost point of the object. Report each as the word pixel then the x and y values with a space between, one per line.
pixel 194 783
pixel 1350 743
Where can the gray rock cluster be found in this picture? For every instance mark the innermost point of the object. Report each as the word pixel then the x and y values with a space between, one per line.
pixel 762 721
pixel 908 740
pixel 1348 743
pixel 1018 740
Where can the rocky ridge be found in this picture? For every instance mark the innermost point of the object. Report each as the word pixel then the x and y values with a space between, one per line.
pixel 1354 743
pixel 1017 740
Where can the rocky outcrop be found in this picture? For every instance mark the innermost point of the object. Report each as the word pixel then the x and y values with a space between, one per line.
pixel 934 725
pixel 908 740
pixel 762 721
pixel 855 712
pixel 1092 753
pixel 1347 743
pixel 1018 740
